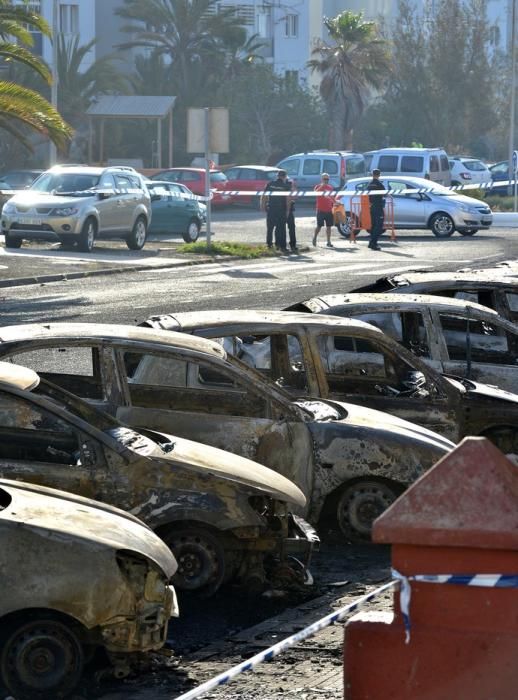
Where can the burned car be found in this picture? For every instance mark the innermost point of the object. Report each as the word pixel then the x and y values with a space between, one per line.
pixel 350 462
pixel 223 516
pixel 76 575
pixel 350 360
pixel 493 288
pixel 455 337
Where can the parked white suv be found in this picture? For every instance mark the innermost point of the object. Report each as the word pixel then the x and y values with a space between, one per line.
pixel 469 171
pixel 76 204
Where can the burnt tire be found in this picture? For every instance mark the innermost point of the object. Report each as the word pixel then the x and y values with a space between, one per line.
pixel 41 659
pixel 193 231
pixel 201 559
pixel 137 238
pixel 12 241
pixel 359 504
pixel 442 225
pixel 87 236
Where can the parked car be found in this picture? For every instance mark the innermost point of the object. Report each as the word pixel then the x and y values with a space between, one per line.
pixel 427 163
pixel 175 210
pixel 249 178
pixel 454 336
pixel 492 288
pixel 307 168
pixel 420 204
pixel 349 360
pixel 499 178
pixel 194 179
pixel 469 171
pixel 76 575
pixel 79 204
pixel 19 179
pixel 224 517
pixel 170 381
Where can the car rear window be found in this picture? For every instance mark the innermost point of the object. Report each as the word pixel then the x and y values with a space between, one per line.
pixel 330 167
pixel 412 164
pixel 474 165
pixel 445 165
pixel 434 164
pixel 218 177
pixel 388 164
pixel 355 166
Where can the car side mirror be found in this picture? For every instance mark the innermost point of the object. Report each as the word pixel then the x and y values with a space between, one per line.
pixel 105 194
pixel 156 197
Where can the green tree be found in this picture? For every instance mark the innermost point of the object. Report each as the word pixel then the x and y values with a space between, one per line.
pixel 22 108
pixel 354 62
pixel 78 87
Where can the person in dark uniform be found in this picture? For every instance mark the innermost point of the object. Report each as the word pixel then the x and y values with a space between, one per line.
pixel 291 220
pixel 377 209
pixel 277 208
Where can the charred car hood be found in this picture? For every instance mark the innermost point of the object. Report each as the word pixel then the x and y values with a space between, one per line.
pixel 62 515
pixel 488 390
pixel 226 465
pixel 361 417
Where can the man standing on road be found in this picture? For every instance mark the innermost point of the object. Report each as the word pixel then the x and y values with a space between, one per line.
pixel 291 220
pixel 377 209
pixel 324 210
pixel 276 204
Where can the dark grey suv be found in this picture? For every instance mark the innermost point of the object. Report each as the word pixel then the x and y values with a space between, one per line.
pixel 75 204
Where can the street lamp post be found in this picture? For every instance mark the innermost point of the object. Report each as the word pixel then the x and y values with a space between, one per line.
pixel 513 98
pixel 54 72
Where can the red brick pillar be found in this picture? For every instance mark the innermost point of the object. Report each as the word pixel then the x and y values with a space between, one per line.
pixel 461 517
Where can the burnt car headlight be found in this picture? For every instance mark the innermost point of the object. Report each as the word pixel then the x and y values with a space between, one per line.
pixel 147 582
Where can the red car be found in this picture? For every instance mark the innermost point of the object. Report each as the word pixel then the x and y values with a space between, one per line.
pixel 249 178
pixel 194 179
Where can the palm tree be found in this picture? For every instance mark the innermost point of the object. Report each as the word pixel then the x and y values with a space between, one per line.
pixel 78 87
pixel 187 33
pixel 355 63
pixel 20 106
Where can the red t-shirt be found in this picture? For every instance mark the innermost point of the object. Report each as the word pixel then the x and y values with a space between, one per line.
pixel 324 203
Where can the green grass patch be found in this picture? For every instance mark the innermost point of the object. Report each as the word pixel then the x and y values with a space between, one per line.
pixel 500 203
pixel 241 250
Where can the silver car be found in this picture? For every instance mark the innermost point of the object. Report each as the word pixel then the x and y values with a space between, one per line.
pixel 76 204
pixel 421 204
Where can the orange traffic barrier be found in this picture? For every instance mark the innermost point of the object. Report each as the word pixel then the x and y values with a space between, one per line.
pixel 454 538
pixel 361 216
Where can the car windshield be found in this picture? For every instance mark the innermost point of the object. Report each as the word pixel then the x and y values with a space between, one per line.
pixel 61 183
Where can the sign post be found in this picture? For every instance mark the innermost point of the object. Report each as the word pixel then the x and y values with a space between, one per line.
pixel 515 172
pixel 207 132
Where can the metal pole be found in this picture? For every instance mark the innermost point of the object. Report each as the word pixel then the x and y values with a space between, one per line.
pixel 207 171
pixel 54 72
pixel 513 97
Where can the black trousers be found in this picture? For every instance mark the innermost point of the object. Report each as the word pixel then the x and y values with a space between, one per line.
pixel 291 229
pixel 276 220
pixel 377 221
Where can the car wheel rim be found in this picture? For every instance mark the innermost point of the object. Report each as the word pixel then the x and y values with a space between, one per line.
pixel 40 657
pixel 140 233
pixel 443 225
pixel 200 561
pixel 193 231
pixel 361 505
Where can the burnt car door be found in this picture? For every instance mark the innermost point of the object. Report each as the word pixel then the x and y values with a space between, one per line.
pixel 39 446
pixel 209 403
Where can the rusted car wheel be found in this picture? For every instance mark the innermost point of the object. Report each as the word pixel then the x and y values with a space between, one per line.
pixel 201 560
pixel 41 659
pixel 359 505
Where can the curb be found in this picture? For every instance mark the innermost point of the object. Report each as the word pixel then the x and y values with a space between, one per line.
pixel 43 279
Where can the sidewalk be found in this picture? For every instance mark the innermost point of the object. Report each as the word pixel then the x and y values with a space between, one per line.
pixel 38 264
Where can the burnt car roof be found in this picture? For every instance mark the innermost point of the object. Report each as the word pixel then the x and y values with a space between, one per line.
pixel 99 331
pixel 262 320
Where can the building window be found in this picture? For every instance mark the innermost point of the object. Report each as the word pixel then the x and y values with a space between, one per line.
pixel 291 26
pixel 264 22
pixel 69 19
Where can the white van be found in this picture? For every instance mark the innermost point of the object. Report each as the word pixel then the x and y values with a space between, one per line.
pixel 430 163
pixel 306 168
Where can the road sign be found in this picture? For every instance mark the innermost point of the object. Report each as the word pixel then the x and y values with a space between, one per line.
pixel 515 161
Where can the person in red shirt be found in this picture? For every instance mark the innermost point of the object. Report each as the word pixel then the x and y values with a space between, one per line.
pixel 324 210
